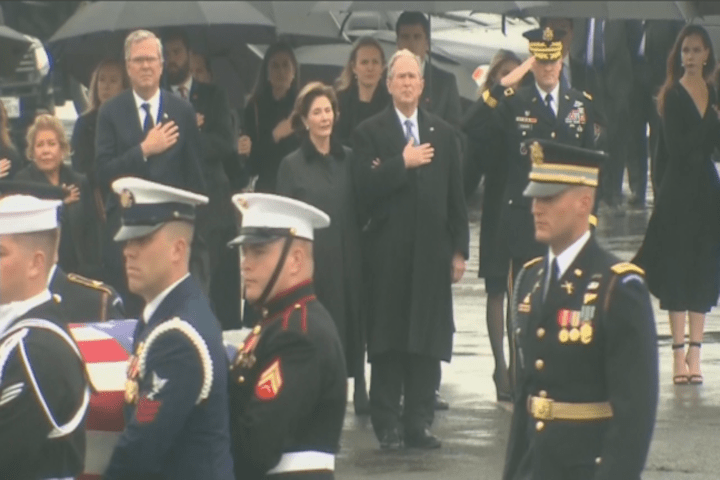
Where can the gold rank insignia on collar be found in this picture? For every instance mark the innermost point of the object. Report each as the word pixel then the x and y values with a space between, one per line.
pixel 568 287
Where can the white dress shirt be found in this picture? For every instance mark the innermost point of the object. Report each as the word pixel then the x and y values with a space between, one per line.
pixel 555 93
pixel 153 305
pixel 568 256
pixel 414 120
pixel 188 86
pixel 154 102
pixel 11 311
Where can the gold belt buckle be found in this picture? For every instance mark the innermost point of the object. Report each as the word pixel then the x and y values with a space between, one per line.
pixel 541 408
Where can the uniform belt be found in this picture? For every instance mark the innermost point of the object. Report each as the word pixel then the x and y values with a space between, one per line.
pixel 547 409
pixel 304 462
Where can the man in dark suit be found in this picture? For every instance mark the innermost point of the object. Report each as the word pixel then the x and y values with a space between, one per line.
pixel 603 47
pixel 440 94
pixel 217 220
pixel 585 338
pixel 176 417
pixel 44 392
pixel 146 132
pixel 408 179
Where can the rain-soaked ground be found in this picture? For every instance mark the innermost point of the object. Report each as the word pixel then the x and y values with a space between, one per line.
pixel 475 429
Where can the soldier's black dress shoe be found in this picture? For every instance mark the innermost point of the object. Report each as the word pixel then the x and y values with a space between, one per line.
pixel 361 403
pixel 422 439
pixel 391 440
pixel 441 403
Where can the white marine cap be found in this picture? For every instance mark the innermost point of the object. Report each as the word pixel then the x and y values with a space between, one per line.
pixel 147 206
pixel 27 214
pixel 267 217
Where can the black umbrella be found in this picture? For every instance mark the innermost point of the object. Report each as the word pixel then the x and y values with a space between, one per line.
pixel 611 10
pixel 296 23
pixel 98 30
pixel 13 46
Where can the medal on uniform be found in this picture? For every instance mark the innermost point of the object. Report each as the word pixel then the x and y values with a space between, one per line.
pixel 564 316
pixel 586 333
pixel 524 307
pixel 133 372
pixel 564 335
pixel 575 319
pixel 574 335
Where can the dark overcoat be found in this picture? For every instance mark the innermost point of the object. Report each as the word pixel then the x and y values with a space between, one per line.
pixel 418 221
pixel 325 182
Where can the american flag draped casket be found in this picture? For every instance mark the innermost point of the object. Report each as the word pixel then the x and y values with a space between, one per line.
pixel 106 348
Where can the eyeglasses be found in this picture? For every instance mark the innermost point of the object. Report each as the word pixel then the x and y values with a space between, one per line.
pixel 141 60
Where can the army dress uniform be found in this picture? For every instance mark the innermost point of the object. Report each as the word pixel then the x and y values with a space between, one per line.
pixel 176 418
pixel 288 387
pixel 44 391
pixel 586 359
pixel 84 299
pixel 521 115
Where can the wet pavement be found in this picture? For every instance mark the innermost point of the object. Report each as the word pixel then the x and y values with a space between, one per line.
pixel 475 429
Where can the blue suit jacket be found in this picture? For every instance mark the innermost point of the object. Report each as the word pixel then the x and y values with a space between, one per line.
pixel 118 138
pixel 176 438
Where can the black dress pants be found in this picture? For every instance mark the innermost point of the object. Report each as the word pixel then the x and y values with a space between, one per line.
pixel 398 373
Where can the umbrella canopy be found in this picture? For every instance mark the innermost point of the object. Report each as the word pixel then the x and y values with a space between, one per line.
pixel 98 30
pixel 421 6
pixel 13 46
pixel 296 23
pixel 610 10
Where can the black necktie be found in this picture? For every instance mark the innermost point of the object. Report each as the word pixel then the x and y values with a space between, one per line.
pixel 553 280
pixel 548 103
pixel 149 122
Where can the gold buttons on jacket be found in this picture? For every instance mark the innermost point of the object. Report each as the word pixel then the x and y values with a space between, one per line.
pixel 542 393
pixel 539 426
pixel 539 364
pixel 241 379
pixel 540 332
pixel 598 460
pixel 518 331
pixel 552 135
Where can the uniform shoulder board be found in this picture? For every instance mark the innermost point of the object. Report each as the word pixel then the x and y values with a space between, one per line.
pixel 532 262
pixel 197 341
pixel 86 282
pixel 489 100
pixel 626 267
pixel 509 92
pixel 588 96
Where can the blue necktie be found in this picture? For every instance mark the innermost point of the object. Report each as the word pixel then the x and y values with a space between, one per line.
pixel 548 103
pixel 409 132
pixel 149 122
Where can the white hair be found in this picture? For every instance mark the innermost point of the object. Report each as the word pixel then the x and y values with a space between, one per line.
pixel 403 53
pixel 138 36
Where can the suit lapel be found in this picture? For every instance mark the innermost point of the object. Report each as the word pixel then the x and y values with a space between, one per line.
pixel 539 109
pixel 536 297
pixel 132 113
pixel 564 103
pixel 425 127
pixel 393 128
pixel 558 297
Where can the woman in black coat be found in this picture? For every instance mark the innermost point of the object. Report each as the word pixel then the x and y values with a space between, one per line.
pixel 361 89
pixel 10 160
pixel 79 250
pixel 681 250
pixel 319 173
pixel 267 133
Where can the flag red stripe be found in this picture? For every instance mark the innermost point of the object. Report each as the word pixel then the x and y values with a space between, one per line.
pixel 99 351
pixel 106 412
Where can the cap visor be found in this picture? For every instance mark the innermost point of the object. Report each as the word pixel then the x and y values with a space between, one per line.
pixel 542 189
pixel 128 233
pixel 252 240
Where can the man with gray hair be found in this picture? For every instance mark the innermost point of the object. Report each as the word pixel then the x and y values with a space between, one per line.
pixel 149 133
pixel 408 182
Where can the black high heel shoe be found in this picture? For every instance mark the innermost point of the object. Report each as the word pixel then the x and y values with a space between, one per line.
pixel 695 379
pixel 680 379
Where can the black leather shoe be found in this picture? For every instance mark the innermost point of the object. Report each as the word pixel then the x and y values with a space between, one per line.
pixel 441 403
pixel 391 440
pixel 422 439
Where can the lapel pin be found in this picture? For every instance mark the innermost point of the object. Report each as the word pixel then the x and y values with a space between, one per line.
pixel 568 287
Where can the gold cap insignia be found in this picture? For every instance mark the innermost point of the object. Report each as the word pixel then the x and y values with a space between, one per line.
pixel 536 154
pixel 127 199
pixel 548 35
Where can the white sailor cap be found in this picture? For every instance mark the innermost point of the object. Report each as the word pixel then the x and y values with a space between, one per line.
pixel 27 214
pixel 147 205
pixel 267 217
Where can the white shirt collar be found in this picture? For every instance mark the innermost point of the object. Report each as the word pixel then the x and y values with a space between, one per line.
pixel 11 311
pixel 188 86
pixel 154 102
pixel 153 305
pixel 567 257
pixel 555 95
pixel 53 269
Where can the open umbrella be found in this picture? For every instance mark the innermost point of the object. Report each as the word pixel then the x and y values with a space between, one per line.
pixel 98 29
pixel 296 23
pixel 420 6
pixel 611 10
pixel 13 46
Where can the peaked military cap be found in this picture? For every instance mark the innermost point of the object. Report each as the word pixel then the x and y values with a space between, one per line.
pixel 27 214
pixel 545 43
pixel 557 167
pixel 267 217
pixel 147 206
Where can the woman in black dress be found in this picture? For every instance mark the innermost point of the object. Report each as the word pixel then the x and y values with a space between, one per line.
pixel 681 250
pixel 492 267
pixel 319 173
pixel 361 89
pixel 267 134
pixel 10 161
pixel 48 147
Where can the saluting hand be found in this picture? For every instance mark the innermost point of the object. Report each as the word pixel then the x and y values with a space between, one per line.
pixel 516 76
pixel 5 165
pixel 160 138
pixel 417 156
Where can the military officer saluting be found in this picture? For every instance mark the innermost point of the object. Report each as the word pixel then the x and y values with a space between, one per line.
pixel 83 299
pixel 586 346
pixel 288 382
pixel 44 393
pixel 176 419
pixel 546 108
